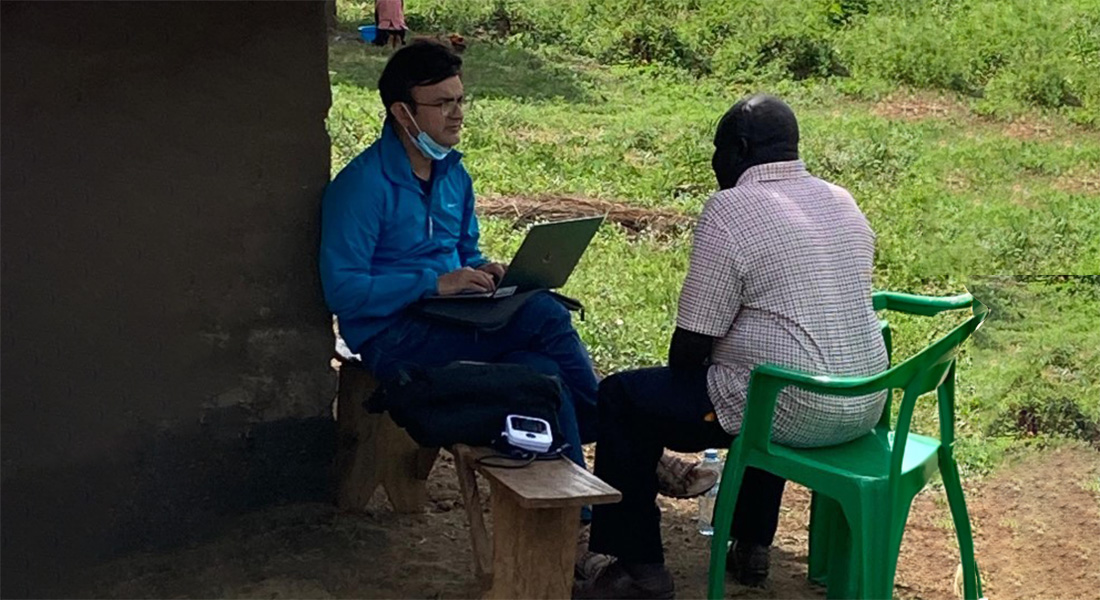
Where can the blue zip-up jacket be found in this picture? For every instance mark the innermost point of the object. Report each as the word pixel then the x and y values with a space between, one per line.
pixel 384 243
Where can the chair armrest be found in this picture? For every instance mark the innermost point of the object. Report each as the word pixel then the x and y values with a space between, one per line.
pixel 822 384
pixel 919 305
pixel 765 383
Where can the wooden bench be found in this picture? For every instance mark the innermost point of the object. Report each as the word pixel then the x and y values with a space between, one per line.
pixel 535 509
pixel 536 519
pixel 372 451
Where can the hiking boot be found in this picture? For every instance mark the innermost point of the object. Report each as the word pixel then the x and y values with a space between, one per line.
pixel 628 581
pixel 748 563
pixel 587 564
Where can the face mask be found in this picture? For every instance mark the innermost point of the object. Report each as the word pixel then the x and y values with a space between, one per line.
pixel 424 142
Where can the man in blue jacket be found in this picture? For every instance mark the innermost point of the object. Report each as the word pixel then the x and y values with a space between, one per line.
pixel 398 224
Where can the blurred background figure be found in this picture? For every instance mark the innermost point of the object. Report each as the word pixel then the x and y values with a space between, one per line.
pixel 390 17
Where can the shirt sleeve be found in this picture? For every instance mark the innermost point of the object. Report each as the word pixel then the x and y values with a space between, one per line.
pixel 713 288
pixel 469 254
pixel 351 218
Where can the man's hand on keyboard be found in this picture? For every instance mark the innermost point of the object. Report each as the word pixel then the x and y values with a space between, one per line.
pixel 464 280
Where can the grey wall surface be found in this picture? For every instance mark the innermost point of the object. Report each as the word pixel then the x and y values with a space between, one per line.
pixel 164 342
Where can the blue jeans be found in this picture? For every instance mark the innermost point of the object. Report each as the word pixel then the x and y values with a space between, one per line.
pixel 540 335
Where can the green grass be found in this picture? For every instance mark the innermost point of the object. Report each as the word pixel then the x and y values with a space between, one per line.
pixel 1004 55
pixel 953 195
pixel 947 197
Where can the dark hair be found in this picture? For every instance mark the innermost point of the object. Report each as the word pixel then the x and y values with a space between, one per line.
pixel 759 129
pixel 758 121
pixel 423 62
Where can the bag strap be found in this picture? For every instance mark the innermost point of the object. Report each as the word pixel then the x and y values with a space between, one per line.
pixel 572 304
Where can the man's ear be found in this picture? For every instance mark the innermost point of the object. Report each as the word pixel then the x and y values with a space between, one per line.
pixel 743 147
pixel 400 112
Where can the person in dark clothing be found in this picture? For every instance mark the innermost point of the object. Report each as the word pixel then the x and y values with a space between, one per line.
pixel 779 259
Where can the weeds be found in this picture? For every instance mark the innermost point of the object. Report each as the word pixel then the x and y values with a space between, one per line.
pixel 618 99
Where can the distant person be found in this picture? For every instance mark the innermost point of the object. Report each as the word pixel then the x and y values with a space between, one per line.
pixel 389 16
pixel 780 273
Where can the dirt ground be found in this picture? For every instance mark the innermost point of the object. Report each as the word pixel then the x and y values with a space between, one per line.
pixel 1037 524
pixel 523 210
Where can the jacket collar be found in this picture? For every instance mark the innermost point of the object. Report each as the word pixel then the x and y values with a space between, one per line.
pixel 395 162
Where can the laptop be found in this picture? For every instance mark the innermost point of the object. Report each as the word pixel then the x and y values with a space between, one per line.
pixel 545 260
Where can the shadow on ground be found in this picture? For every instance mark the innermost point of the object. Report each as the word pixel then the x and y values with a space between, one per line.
pixel 1035 520
pixel 490 70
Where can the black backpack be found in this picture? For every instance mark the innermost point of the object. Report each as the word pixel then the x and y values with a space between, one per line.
pixel 466 402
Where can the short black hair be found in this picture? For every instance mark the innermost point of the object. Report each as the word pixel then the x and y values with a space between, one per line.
pixel 759 120
pixel 423 62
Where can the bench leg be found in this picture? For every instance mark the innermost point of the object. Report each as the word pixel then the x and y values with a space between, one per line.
pixel 479 535
pixel 372 450
pixel 533 549
pixel 405 476
pixel 356 471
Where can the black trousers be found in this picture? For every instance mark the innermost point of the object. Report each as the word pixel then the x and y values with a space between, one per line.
pixel 640 414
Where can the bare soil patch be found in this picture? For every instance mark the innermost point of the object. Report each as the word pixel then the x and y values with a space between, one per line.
pixel 635 219
pixel 1037 532
pixel 1029 129
pixel 1079 183
pixel 920 106
pixel 915 106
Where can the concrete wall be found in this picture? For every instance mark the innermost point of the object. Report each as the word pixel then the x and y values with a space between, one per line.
pixel 165 346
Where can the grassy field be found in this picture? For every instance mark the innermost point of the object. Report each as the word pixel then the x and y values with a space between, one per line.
pixel 967 131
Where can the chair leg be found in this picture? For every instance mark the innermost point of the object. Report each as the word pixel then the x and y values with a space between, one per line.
pixel 872 545
pixel 826 521
pixel 843 562
pixel 897 532
pixel 952 484
pixel 831 550
pixel 862 554
pixel 728 490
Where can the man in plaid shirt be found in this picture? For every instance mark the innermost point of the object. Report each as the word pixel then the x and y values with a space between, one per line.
pixel 780 273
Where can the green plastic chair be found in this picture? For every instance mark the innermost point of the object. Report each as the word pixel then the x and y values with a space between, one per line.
pixel 862 490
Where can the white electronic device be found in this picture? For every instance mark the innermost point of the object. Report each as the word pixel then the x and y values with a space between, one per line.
pixel 528 433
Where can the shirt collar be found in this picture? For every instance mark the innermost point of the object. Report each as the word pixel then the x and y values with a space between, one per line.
pixel 395 162
pixel 775 171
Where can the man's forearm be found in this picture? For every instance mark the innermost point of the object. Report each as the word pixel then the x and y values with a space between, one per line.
pixel 689 350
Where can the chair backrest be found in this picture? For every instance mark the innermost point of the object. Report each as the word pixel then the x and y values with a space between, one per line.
pixel 933 368
pixel 912 304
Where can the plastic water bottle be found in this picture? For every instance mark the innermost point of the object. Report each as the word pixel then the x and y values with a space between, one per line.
pixel 707 500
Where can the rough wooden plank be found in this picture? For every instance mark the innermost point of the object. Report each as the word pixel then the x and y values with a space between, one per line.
pixel 357 474
pixel 549 483
pixel 402 465
pixel 533 549
pixel 471 499
pixel 372 450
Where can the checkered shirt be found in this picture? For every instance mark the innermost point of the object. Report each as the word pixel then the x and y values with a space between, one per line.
pixel 780 273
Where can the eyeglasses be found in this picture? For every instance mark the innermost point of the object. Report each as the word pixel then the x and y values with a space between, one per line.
pixel 448 106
